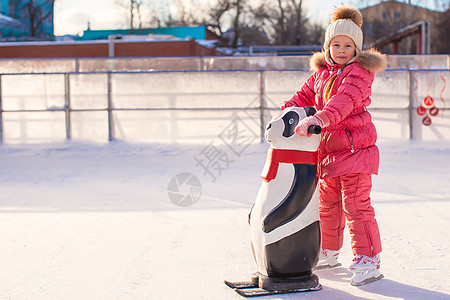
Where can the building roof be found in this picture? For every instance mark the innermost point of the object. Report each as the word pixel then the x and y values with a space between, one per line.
pixel 182 32
pixel 398 4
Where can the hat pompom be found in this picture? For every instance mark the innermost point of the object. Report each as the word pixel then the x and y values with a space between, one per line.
pixel 347 12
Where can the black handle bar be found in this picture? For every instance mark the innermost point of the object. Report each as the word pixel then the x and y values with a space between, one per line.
pixel 315 129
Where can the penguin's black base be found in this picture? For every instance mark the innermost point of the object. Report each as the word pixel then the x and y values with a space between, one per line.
pixel 305 282
pixel 261 285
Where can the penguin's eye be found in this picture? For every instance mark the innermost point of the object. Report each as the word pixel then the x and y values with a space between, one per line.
pixel 290 119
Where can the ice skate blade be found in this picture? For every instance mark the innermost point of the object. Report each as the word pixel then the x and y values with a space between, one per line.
pixel 325 267
pixel 368 280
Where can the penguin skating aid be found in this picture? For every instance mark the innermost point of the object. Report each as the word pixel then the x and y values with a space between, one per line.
pixel 284 220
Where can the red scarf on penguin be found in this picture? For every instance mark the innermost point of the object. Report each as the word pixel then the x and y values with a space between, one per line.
pixel 277 156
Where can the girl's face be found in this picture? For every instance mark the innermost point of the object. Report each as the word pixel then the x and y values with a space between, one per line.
pixel 342 49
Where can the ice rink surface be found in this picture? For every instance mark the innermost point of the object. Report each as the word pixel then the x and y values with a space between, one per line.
pixel 81 221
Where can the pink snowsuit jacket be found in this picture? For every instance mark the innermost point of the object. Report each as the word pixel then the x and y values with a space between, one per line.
pixel 348 143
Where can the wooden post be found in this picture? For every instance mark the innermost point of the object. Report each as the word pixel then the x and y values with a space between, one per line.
pixel 395 47
pixel 419 43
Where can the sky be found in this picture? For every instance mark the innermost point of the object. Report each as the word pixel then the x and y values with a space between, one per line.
pixel 72 17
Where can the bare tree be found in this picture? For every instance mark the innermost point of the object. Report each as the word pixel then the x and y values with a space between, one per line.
pixel 134 11
pixel 137 7
pixel 298 20
pixel 286 24
pixel 239 5
pixel 217 12
pixel 232 11
pixel 282 22
pixel 34 15
pixel 278 22
pixel 235 10
pixel 187 13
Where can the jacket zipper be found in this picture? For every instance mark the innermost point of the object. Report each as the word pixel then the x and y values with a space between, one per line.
pixel 350 138
pixel 320 99
pixel 335 87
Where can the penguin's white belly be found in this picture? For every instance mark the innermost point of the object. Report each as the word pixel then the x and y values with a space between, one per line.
pixel 270 195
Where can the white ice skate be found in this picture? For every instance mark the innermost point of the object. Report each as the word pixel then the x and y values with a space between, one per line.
pixel 328 259
pixel 365 269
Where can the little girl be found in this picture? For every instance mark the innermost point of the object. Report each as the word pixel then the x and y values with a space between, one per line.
pixel 340 90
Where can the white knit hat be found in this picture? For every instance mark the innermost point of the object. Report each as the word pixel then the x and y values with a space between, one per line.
pixel 346 20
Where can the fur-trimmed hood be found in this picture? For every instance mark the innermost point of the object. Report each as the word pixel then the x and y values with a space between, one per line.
pixel 371 60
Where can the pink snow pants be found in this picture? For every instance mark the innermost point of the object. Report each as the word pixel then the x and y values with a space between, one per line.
pixel 347 197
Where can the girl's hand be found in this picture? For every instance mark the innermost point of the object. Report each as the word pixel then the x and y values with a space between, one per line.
pixel 318 119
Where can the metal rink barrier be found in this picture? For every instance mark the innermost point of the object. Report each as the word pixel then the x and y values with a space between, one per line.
pixel 228 99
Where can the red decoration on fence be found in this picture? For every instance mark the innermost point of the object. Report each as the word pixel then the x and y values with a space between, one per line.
pixel 428 101
pixel 426 121
pixel 442 91
pixel 434 111
pixel 421 110
pixel 427 107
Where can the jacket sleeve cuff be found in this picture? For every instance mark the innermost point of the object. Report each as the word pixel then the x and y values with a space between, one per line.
pixel 321 116
pixel 286 104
